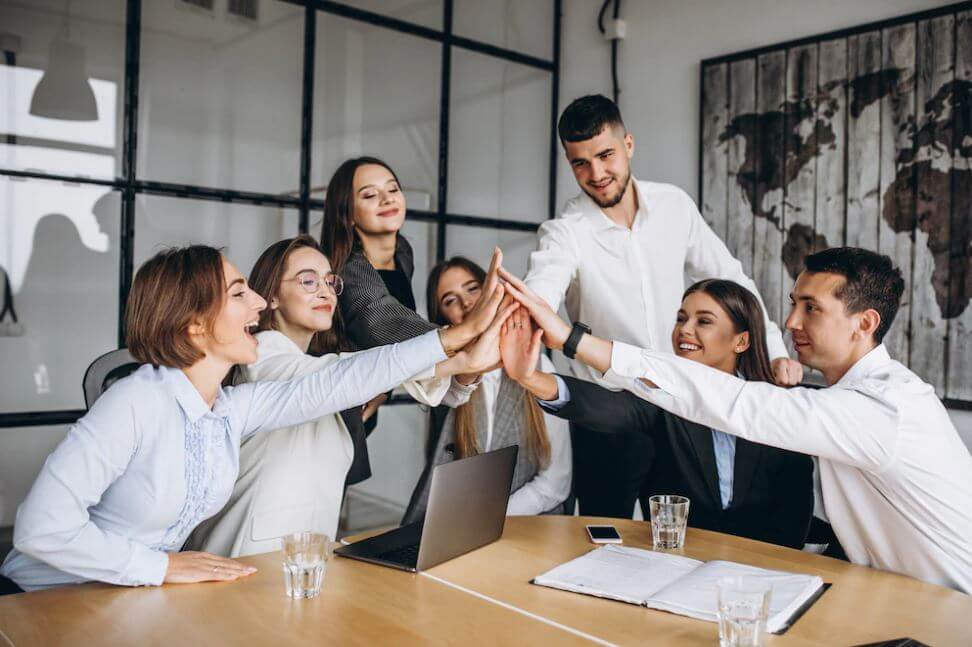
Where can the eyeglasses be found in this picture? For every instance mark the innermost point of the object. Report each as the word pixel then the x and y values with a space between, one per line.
pixel 311 282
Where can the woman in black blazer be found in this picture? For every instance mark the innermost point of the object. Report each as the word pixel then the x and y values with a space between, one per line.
pixel 735 486
pixel 364 210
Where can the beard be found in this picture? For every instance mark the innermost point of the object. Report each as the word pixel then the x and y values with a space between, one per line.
pixel 607 203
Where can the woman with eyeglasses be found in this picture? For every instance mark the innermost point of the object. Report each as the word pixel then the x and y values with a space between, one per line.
pixel 159 451
pixel 293 479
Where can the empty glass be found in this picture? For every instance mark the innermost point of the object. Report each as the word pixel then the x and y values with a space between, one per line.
pixel 305 558
pixel 743 610
pixel 669 516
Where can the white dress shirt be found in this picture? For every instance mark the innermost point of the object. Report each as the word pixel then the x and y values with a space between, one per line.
pixel 896 477
pixel 151 460
pixel 305 465
pixel 627 284
pixel 550 485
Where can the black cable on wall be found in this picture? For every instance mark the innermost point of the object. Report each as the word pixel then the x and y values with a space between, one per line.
pixel 615 37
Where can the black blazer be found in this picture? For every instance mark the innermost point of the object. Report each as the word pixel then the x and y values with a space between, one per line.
pixel 772 491
pixel 373 317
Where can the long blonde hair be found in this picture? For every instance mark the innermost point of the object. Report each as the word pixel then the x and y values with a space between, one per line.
pixel 537 440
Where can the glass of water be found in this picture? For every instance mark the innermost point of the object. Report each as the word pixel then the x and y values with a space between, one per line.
pixel 743 610
pixel 669 516
pixel 305 558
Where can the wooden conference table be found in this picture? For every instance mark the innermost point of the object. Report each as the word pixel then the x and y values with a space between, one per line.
pixel 480 598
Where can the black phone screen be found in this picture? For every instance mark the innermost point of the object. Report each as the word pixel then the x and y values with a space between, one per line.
pixel 603 532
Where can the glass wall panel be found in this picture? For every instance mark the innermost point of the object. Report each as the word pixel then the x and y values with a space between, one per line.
pixel 243 231
pixel 61 87
pixel 477 243
pixel 525 26
pixel 220 97
pixel 58 289
pixel 376 92
pixel 499 138
pixel 23 451
pixel 427 13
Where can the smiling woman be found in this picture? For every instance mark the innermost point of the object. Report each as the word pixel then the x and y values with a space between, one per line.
pixel 159 452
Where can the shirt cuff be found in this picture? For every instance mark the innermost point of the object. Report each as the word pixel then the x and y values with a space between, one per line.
pixel 432 345
pixel 148 567
pixel 563 397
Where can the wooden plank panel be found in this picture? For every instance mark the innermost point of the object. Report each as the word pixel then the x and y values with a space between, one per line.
pixel 935 44
pixel 830 207
pixel 771 184
pixel 863 138
pixel 959 379
pixel 715 113
pixel 801 157
pixel 741 136
pixel 896 224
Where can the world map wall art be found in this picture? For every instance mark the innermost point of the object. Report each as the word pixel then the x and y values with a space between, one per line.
pixel 861 137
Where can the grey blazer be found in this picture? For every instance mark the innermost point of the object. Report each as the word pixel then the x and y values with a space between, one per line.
pixel 372 316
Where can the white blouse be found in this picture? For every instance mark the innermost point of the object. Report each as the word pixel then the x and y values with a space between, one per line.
pixel 150 461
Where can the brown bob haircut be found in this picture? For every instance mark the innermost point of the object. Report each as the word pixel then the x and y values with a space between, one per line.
pixel 172 290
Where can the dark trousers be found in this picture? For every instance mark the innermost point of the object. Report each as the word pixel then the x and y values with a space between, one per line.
pixel 8 586
pixel 610 471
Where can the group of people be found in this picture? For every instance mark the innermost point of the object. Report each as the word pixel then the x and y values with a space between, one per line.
pixel 248 416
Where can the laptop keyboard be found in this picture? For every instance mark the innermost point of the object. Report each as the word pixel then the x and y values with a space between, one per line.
pixel 407 555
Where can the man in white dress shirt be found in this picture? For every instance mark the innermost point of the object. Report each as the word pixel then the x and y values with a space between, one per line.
pixel 619 257
pixel 894 473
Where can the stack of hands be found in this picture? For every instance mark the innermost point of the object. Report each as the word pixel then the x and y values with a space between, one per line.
pixel 511 323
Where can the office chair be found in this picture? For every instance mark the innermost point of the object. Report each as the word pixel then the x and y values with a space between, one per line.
pixel 105 371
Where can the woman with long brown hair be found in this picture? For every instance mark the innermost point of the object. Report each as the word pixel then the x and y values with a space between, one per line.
pixel 735 486
pixel 364 211
pixel 499 413
pixel 158 452
pixel 305 465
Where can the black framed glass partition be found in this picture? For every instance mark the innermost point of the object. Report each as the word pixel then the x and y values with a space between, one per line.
pixel 127 125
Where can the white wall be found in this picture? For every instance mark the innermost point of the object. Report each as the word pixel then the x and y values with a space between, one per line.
pixel 659 70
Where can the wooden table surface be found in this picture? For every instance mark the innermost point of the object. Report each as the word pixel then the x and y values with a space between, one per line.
pixel 481 598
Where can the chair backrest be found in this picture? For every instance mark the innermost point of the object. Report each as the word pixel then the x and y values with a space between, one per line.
pixel 105 371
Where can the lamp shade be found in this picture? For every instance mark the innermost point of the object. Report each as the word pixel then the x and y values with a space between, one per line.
pixel 64 91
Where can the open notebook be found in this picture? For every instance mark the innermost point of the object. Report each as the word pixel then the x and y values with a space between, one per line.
pixel 676 584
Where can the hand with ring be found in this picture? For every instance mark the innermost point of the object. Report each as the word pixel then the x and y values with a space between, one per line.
pixel 191 566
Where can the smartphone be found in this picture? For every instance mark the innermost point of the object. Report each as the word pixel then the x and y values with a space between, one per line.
pixel 604 535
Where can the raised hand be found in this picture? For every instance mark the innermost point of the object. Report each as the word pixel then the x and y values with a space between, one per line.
pixel 555 329
pixel 482 315
pixel 192 566
pixel 483 355
pixel 520 346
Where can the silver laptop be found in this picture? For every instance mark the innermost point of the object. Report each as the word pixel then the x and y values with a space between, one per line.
pixel 466 510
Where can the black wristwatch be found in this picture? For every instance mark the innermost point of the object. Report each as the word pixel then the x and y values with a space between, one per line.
pixel 578 331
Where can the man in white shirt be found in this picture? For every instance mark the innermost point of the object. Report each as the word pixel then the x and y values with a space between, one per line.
pixel 895 475
pixel 619 257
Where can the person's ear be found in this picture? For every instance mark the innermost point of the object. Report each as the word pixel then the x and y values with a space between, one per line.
pixel 742 343
pixel 869 322
pixel 274 304
pixel 629 144
pixel 197 329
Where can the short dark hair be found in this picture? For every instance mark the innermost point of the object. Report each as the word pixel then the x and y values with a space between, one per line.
pixel 872 282
pixel 587 116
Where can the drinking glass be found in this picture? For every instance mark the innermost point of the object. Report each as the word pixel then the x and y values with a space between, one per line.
pixel 305 559
pixel 669 516
pixel 743 610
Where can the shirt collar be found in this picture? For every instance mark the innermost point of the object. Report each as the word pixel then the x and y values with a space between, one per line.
pixel 874 359
pixel 600 220
pixel 188 397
